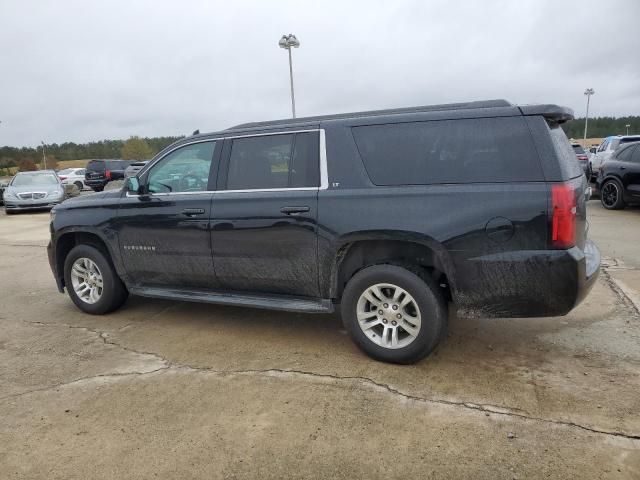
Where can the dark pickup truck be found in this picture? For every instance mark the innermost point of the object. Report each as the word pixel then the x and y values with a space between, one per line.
pixel 390 216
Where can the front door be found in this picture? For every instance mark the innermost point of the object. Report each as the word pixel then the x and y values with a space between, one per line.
pixel 164 234
pixel 264 214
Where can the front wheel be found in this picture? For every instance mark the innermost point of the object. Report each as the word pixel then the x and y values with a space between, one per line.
pixel 611 195
pixel 393 314
pixel 92 283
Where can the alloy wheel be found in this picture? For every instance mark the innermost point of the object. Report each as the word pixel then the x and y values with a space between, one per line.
pixel 388 315
pixel 87 280
pixel 610 194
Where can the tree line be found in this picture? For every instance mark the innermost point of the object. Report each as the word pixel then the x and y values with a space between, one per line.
pixel 601 127
pixel 27 158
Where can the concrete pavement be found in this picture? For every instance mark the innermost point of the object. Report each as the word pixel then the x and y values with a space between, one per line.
pixel 177 390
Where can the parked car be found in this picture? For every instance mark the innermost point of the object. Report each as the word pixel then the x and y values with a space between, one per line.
pixel 133 169
pixel 101 172
pixel 33 190
pixel 606 149
pixel 619 178
pixel 582 157
pixel 386 216
pixel 73 176
pixel 3 186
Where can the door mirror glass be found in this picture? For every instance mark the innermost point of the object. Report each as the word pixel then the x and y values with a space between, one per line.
pixel 133 185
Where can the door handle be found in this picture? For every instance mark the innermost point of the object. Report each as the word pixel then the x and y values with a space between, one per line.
pixel 294 210
pixel 623 168
pixel 192 212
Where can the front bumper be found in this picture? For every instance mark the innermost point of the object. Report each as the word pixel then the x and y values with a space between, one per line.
pixel 17 204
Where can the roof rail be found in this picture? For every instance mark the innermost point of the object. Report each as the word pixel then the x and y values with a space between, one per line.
pixel 373 113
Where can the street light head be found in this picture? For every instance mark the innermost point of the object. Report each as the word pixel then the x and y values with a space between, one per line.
pixel 589 91
pixel 293 41
pixel 288 41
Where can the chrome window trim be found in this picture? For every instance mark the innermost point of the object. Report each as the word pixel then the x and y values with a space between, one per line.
pixel 324 173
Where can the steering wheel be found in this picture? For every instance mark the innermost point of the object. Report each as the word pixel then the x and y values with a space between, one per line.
pixel 187 186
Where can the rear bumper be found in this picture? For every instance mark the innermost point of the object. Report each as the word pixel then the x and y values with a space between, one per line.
pixel 528 283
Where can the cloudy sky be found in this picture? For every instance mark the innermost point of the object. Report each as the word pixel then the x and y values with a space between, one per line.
pixel 88 70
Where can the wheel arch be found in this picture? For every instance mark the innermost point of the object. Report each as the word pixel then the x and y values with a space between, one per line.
pixel 413 250
pixel 67 239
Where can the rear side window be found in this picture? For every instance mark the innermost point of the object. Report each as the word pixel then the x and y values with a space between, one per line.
pixel 480 150
pixel 274 161
pixel 117 164
pixel 625 154
pixel 569 165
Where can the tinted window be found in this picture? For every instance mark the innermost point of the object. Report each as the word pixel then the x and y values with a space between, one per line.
pixel 625 154
pixel 636 155
pixel 116 164
pixel 578 149
pixel 569 165
pixel 274 161
pixel 183 170
pixel 449 151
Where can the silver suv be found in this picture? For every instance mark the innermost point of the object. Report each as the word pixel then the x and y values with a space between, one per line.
pixel 606 149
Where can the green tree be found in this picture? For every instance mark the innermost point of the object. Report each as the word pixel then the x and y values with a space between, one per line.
pixel 136 148
pixel 27 165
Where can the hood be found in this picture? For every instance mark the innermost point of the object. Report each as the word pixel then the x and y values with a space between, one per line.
pixel 90 199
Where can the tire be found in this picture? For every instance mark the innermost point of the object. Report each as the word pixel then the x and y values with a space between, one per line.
pixel 97 189
pixel 611 195
pixel 79 185
pixel 425 295
pixel 113 293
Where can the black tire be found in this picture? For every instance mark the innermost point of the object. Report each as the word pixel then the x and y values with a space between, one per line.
pixel 114 293
pixel 79 185
pixel 611 195
pixel 97 189
pixel 425 292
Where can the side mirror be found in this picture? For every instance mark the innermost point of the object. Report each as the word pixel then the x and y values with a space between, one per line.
pixel 133 185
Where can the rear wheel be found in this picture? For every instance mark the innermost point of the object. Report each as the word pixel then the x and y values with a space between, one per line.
pixel 97 189
pixel 393 314
pixel 91 281
pixel 79 185
pixel 611 195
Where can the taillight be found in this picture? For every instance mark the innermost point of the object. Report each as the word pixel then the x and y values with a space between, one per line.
pixel 563 220
pixel 107 174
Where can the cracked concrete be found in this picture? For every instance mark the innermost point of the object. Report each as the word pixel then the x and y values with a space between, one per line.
pixel 176 390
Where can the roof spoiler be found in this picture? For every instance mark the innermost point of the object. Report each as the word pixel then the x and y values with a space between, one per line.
pixel 555 113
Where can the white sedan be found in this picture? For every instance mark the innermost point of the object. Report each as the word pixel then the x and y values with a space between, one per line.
pixel 71 176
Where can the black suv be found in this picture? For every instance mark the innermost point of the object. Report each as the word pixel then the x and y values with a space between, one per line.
pixel 619 177
pixel 389 215
pixel 101 172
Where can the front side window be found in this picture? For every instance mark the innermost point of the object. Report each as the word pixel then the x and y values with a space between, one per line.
pixel 274 161
pixel 183 170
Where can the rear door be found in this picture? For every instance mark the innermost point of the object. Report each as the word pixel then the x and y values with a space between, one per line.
pixel 164 234
pixel 631 176
pixel 264 214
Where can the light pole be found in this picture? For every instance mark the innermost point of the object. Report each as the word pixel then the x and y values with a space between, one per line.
pixel 588 92
pixel 286 42
pixel 628 126
pixel 44 157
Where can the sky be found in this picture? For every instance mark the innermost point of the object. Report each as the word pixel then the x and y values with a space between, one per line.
pixel 91 70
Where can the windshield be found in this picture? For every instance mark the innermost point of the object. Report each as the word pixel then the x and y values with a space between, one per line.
pixel 24 180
